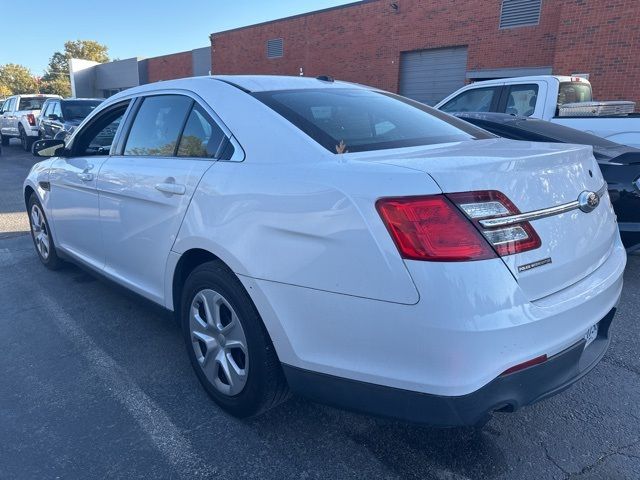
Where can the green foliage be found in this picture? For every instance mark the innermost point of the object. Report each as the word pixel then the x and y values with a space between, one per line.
pixel 17 79
pixel 56 86
pixel 56 79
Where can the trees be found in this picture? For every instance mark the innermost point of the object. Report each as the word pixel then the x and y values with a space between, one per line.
pixel 56 79
pixel 16 79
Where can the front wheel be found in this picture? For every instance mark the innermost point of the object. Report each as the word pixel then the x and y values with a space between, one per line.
pixel 228 345
pixel 4 140
pixel 41 235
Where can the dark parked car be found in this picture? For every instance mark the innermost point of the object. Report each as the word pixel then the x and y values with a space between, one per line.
pixel 59 117
pixel 620 164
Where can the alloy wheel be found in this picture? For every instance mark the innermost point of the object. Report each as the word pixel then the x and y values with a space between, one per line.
pixel 219 342
pixel 40 232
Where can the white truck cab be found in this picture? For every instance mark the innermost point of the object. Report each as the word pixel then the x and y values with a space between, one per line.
pixel 543 97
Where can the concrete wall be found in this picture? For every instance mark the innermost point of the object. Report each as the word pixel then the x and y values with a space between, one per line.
pixel 201 61
pixel 83 78
pixel 117 75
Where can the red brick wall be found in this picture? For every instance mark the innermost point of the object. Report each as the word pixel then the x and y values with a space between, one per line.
pixel 602 38
pixel 168 67
pixel 362 43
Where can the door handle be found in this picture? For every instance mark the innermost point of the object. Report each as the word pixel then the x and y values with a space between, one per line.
pixel 85 177
pixel 171 188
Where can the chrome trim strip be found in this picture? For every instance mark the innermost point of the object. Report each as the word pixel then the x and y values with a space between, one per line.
pixel 536 214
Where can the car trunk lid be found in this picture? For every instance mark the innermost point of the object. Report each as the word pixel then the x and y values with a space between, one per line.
pixel 534 176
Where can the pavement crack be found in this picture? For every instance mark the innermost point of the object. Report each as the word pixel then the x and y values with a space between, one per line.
pixel 554 461
pixel 603 457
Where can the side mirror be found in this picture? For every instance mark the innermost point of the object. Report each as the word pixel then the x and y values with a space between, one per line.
pixel 54 117
pixel 47 148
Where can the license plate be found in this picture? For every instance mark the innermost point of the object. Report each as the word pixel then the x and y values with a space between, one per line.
pixel 591 335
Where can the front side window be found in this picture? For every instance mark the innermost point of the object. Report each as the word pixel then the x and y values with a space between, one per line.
pixel 201 138
pixel 46 110
pixel 356 120
pixel 157 126
pixel 97 137
pixel 474 100
pixel 522 99
pixel 8 106
pixel 56 110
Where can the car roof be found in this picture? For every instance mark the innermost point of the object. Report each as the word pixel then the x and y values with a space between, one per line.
pixel 247 83
pixel 532 78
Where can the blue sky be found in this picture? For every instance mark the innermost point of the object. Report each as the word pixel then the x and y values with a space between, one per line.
pixel 130 28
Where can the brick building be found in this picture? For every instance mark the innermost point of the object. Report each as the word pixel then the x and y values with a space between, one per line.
pixel 428 48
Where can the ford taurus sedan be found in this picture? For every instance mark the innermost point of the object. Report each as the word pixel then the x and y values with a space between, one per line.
pixel 340 242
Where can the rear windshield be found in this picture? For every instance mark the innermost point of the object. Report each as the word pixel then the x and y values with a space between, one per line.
pixel 574 92
pixel 357 120
pixel 78 109
pixel 31 103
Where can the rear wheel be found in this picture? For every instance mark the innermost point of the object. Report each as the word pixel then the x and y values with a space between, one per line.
pixel 41 235
pixel 25 140
pixel 228 345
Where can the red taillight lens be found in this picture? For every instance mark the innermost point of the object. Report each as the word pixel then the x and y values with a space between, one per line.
pixel 31 118
pixel 477 206
pixel 432 228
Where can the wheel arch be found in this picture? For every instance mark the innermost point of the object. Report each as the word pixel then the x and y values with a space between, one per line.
pixel 188 262
pixel 196 256
pixel 28 191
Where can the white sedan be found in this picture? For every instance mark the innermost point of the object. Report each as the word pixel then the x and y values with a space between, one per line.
pixel 340 242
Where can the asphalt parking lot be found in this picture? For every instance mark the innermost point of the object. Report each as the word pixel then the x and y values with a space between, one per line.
pixel 96 384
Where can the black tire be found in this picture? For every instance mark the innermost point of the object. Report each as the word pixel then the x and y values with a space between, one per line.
pixel 25 140
pixel 51 261
pixel 265 385
pixel 5 140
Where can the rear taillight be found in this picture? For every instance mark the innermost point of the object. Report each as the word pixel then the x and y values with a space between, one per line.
pixel 31 118
pixel 432 228
pixel 515 238
pixel 441 228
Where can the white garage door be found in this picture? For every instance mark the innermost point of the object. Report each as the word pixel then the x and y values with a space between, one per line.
pixel 430 75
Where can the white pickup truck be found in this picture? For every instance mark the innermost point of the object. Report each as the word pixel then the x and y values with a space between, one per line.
pixel 19 118
pixel 549 98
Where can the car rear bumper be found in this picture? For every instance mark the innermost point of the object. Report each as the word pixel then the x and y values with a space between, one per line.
pixel 505 393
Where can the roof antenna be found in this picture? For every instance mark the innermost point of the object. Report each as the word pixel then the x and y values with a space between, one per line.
pixel 326 78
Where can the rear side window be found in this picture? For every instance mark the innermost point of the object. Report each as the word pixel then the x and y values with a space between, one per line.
pixel 475 100
pixel 574 92
pixel 521 100
pixel 201 137
pixel 157 126
pixel 356 120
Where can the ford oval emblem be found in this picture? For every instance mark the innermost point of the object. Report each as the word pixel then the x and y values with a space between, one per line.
pixel 588 201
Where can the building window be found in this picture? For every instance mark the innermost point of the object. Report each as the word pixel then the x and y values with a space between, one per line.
pixel 520 13
pixel 275 48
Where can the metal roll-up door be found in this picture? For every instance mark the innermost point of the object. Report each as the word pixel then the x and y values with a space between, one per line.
pixel 428 76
